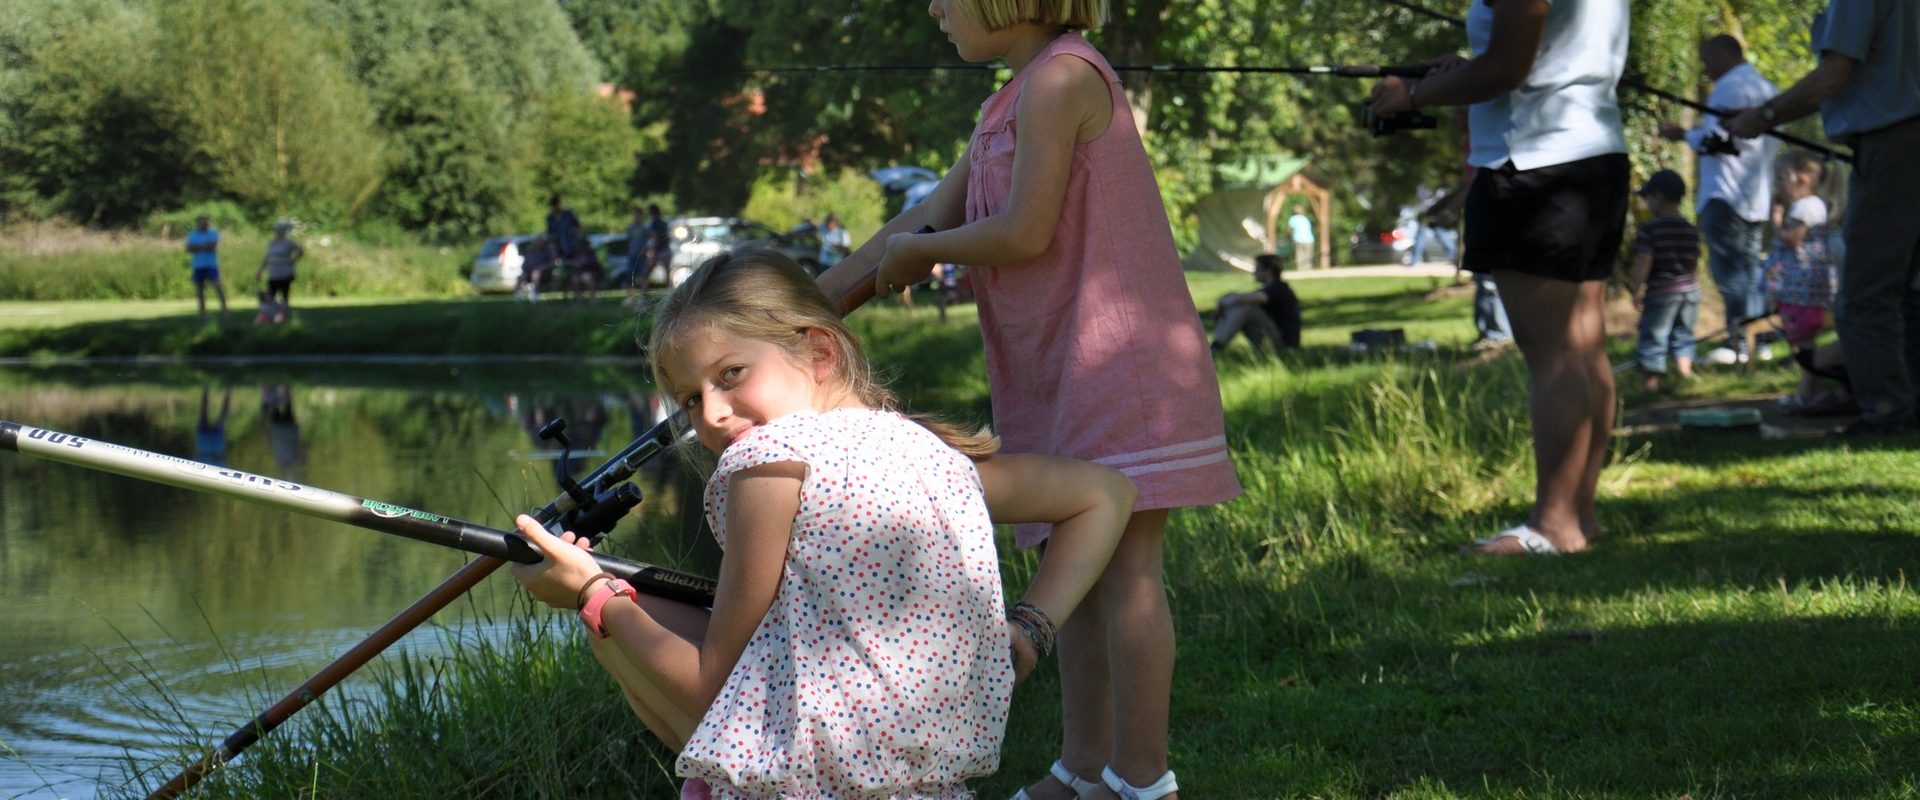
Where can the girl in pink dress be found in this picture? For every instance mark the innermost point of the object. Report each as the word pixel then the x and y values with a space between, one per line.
pixel 1093 347
pixel 858 644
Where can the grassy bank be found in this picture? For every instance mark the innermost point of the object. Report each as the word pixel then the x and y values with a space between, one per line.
pixel 1747 628
pixel 53 261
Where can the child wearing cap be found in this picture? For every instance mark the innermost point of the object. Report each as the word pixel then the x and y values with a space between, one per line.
pixel 1802 277
pixel 1666 252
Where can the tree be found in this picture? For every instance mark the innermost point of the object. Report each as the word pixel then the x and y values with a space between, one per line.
pixel 83 135
pixel 453 171
pixel 263 99
pixel 584 151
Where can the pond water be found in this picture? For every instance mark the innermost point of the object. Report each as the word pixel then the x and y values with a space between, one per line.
pixel 136 618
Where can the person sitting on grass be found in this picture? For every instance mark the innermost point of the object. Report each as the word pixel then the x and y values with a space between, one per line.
pixel 1269 316
pixel 1802 275
pixel 1666 252
pixel 859 643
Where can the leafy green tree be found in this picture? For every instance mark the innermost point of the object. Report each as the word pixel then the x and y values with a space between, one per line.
pixel 265 102
pixel 453 171
pixel 83 136
pixel 522 50
pixel 585 153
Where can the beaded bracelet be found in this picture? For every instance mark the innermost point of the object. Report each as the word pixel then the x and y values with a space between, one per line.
pixel 1035 624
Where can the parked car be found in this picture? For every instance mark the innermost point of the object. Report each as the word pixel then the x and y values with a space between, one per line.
pixel 497 267
pixel 696 239
pixel 1383 245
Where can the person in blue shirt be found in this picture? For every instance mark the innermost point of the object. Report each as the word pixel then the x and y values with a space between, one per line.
pixel 203 243
pixel 1867 90
pixel 563 229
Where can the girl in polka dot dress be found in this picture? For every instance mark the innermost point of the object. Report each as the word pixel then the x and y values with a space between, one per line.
pixel 858 644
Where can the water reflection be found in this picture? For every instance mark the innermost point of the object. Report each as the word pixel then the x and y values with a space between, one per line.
pixel 137 612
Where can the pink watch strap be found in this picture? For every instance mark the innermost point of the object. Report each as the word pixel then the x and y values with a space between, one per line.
pixel 597 602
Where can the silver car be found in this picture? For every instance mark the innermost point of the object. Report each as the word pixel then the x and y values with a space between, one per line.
pixel 497 266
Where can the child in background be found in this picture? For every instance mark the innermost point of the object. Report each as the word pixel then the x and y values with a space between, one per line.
pixel 1091 348
pixel 859 644
pixel 269 312
pixel 1666 252
pixel 1803 277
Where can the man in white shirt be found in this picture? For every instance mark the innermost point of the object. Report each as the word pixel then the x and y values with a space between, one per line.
pixel 1734 196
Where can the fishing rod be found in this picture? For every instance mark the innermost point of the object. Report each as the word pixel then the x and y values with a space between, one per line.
pixel 588 508
pixel 597 512
pixel 1712 147
pixel 1380 126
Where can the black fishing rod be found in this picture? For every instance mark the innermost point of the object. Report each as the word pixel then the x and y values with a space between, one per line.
pixel 1638 85
pixel 1380 126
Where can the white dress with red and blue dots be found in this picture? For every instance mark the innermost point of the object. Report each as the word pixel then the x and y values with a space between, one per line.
pixel 882 669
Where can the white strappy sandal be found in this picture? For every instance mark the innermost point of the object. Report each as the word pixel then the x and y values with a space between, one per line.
pixel 1531 542
pixel 1127 791
pixel 1066 777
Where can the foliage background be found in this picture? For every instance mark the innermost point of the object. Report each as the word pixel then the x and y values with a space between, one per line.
pixel 449 120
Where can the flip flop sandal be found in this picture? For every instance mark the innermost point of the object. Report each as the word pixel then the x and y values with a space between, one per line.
pixel 1166 785
pixel 1531 542
pixel 1066 778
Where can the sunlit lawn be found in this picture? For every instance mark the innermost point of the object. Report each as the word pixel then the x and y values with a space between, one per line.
pixel 1746 628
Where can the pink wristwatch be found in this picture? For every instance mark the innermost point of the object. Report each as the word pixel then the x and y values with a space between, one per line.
pixel 596 602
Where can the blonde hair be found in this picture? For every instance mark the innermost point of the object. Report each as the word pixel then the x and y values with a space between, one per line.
pixel 763 294
pixel 995 15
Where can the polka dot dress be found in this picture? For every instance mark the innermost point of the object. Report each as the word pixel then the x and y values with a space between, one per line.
pixel 881 670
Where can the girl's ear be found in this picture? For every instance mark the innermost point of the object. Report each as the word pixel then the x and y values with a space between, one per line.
pixel 822 354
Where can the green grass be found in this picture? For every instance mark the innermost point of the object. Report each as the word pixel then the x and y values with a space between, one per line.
pixel 52 261
pixel 1747 627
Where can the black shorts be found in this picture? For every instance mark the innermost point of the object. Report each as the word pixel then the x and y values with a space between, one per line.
pixel 278 287
pixel 1563 221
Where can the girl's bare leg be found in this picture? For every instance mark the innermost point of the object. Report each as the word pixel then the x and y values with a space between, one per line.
pixel 1086 698
pixel 1140 649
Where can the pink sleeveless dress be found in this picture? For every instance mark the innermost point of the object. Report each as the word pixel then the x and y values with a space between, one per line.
pixel 1094 348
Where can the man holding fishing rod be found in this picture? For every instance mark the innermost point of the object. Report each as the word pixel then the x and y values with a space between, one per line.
pixel 1544 216
pixel 1867 90
pixel 1734 194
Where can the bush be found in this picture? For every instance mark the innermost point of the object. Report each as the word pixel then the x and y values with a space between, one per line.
pixel 783 198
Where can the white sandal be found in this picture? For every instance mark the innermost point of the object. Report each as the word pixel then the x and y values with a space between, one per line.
pixel 1127 791
pixel 1531 542
pixel 1066 778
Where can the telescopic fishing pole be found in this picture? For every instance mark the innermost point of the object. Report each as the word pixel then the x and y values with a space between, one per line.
pixel 599 513
pixel 593 505
pixel 1638 85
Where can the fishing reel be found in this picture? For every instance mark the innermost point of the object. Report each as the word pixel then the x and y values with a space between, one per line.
pixel 1396 122
pixel 594 513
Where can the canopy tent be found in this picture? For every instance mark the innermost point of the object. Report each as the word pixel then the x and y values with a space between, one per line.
pixel 1242 220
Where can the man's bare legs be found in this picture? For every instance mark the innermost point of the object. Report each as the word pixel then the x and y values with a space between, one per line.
pixel 1561 331
pixel 1116 668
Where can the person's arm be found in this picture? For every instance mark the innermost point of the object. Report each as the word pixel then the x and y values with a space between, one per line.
pixel 763 501
pixel 1793 233
pixel 1089 505
pixel 1802 98
pixel 1064 98
pixel 1511 48
pixel 1637 284
pixel 851 281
